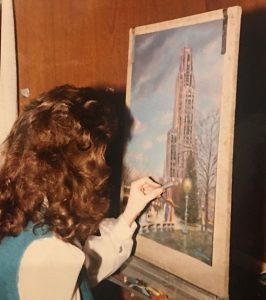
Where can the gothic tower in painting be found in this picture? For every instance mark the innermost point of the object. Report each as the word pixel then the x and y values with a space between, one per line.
pixel 181 136
pixel 180 144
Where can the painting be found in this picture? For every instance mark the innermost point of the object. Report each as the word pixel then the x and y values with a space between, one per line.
pixel 181 90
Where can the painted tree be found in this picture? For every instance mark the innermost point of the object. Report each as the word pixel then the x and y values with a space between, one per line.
pixel 207 141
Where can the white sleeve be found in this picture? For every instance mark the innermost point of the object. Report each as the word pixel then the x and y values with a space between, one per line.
pixel 107 252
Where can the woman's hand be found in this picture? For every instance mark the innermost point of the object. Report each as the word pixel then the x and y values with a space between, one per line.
pixel 142 191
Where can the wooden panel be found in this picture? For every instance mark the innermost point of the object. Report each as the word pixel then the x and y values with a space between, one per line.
pixel 85 42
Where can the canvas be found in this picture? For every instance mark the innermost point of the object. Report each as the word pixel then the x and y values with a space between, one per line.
pixel 181 91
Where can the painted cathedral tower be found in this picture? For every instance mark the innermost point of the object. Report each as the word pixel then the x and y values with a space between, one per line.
pixel 181 136
pixel 180 143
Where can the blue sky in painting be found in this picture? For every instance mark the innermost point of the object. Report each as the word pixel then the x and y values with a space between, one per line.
pixel 155 68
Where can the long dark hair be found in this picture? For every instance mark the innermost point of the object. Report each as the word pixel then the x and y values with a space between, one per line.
pixel 54 170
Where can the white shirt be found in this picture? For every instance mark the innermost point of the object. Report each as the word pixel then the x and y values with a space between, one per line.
pixel 58 263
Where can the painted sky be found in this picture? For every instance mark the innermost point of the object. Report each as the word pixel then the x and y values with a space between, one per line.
pixel 155 69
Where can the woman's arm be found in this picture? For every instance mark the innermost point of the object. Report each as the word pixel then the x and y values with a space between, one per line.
pixel 107 252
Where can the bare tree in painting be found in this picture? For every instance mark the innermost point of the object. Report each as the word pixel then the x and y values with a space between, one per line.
pixel 207 140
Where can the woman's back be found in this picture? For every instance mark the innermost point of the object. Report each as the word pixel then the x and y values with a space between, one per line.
pixel 38 265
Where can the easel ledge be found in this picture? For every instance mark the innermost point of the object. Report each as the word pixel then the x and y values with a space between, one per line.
pixel 174 287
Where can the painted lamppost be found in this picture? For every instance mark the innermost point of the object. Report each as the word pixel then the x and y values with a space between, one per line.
pixel 187 186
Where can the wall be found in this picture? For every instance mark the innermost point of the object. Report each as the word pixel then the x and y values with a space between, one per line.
pixel 85 42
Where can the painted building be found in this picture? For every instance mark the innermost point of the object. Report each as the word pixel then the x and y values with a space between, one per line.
pixel 181 136
pixel 180 143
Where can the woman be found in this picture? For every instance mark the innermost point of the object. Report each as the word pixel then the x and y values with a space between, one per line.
pixel 54 197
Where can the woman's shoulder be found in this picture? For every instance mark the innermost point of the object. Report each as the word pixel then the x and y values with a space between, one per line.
pixel 38 244
pixel 53 248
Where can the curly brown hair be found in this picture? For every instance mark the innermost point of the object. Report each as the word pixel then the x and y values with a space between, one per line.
pixel 54 170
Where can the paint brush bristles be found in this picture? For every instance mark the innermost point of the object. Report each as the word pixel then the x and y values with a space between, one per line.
pixel 167 185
